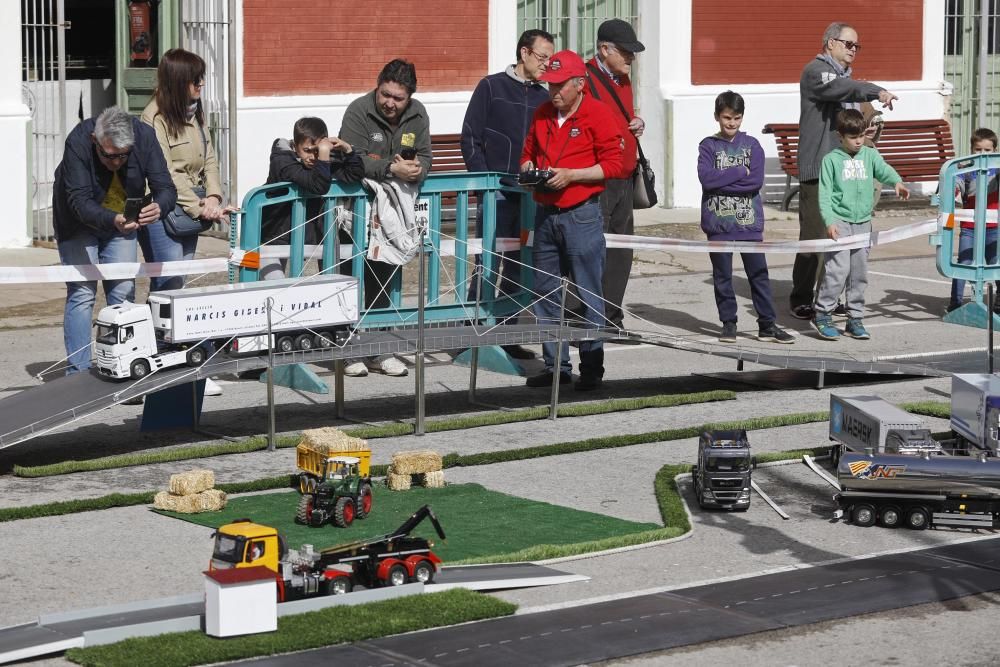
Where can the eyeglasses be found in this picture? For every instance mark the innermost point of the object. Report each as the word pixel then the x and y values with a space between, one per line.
pixel 542 58
pixel 848 44
pixel 112 156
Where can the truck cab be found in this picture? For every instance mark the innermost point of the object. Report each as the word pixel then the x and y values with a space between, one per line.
pixel 125 340
pixel 246 544
pixel 722 475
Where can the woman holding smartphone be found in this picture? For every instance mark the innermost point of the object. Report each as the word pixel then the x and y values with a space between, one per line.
pixel 176 114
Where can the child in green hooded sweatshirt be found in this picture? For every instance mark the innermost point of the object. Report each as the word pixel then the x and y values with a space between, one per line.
pixel 846 181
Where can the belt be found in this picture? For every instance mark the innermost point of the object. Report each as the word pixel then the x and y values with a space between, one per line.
pixel 593 199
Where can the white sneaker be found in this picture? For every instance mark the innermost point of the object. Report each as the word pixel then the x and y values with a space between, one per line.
pixel 356 369
pixel 389 366
pixel 212 388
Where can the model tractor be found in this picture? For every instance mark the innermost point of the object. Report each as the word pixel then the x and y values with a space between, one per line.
pixel 342 495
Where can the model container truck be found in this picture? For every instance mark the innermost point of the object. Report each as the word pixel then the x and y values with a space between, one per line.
pixel 392 559
pixel 858 423
pixel 919 491
pixel 173 327
pixel 721 477
pixel 975 411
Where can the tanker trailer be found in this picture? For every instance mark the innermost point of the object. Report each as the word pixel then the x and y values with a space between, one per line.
pixel 919 491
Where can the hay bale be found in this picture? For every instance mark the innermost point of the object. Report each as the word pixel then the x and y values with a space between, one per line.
pixel 397 482
pixel 416 462
pixel 210 500
pixel 434 479
pixel 330 439
pixel 191 482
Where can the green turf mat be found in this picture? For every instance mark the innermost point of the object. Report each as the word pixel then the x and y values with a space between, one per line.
pixel 478 522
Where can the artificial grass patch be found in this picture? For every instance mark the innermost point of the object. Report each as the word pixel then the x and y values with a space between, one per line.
pixel 940 409
pixel 258 443
pixel 326 627
pixel 479 523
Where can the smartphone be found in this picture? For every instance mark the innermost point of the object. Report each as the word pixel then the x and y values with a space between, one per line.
pixel 408 153
pixel 134 205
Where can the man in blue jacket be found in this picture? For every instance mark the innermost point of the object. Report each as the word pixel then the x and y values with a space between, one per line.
pixel 106 160
pixel 496 122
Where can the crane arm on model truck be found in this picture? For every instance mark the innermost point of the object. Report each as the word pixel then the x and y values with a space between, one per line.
pixel 392 559
pixel 173 326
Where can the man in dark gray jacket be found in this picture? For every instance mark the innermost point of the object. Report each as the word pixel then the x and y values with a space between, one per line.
pixel 825 89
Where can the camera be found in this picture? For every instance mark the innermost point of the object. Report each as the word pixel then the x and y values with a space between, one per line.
pixel 535 178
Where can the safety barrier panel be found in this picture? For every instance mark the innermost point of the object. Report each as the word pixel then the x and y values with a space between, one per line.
pixel 440 241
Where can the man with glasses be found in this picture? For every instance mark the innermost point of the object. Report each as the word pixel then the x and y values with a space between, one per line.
pixel 826 87
pixel 496 123
pixel 608 74
pixel 106 161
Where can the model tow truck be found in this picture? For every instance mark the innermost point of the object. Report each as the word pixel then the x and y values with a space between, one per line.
pixel 392 559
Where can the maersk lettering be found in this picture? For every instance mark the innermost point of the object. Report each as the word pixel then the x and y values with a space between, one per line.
pixel 857 428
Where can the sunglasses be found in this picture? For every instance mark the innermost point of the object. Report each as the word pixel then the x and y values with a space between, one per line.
pixel 112 156
pixel 848 44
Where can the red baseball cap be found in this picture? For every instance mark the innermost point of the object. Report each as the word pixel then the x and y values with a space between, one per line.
pixel 563 66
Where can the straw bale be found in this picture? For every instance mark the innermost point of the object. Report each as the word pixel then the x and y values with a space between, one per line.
pixel 210 500
pixel 416 461
pixel 397 482
pixel 191 482
pixel 330 439
pixel 434 479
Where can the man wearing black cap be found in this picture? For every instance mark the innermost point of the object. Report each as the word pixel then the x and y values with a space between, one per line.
pixel 608 74
pixel 578 140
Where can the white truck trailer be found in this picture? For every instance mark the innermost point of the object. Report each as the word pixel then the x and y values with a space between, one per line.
pixel 975 410
pixel 860 423
pixel 173 327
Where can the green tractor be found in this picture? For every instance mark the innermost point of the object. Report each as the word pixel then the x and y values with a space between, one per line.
pixel 341 496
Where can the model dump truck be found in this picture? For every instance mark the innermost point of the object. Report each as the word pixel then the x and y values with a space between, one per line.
pixel 975 411
pixel 919 491
pixel 858 423
pixel 392 559
pixel 173 326
pixel 722 476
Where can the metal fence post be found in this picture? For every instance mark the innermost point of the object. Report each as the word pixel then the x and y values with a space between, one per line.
pixel 557 366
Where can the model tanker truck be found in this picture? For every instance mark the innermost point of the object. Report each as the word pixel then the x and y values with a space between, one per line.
pixel 919 491
pixel 173 327
pixel 859 423
pixel 392 559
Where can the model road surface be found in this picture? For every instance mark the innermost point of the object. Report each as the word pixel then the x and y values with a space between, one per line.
pixel 654 622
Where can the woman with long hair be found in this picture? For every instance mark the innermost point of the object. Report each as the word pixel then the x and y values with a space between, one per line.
pixel 177 116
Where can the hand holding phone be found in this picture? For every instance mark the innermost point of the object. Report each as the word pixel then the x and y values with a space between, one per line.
pixel 408 153
pixel 134 205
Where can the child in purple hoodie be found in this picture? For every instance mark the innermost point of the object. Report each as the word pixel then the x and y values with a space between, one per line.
pixel 731 171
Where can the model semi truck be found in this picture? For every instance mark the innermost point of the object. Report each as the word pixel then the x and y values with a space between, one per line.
pixel 721 477
pixel 174 327
pixel 392 559
pixel 859 423
pixel 975 411
pixel 919 491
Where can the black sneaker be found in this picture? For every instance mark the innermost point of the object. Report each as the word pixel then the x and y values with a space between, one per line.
pixel 775 334
pixel 588 383
pixel 803 312
pixel 952 306
pixel 840 310
pixel 728 334
pixel 544 379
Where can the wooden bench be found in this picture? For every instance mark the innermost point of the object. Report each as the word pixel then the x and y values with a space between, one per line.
pixel 446 151
pixel 915 148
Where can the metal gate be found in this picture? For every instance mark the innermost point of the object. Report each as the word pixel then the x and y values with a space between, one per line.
pixel 205 31
pixel 972 67
pixel 574 22
pixel 43 77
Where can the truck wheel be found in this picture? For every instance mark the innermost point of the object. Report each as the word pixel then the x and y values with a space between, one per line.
pixel 285 344
pixel 196 356
pixel 339 586
pixel 397 575
pixel 304 512
pixel 917 518
pixel 364 501
pixel 304 342
pixel 343 513
pixel 890 516
pixel 423 572
pixel 139 369
pixel 324 339
pixel 863 515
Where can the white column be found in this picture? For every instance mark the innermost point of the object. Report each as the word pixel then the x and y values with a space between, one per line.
pixel 503 34
pixel 15 186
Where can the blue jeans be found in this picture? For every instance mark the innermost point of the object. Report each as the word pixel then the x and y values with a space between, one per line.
pixel 86 248
pixel 571 244
pixel 508 225
pixel 966 248
pixel 158 246
pixel 755 265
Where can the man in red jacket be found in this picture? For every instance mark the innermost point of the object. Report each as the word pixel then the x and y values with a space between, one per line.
pixel 578 140
pixel 608 77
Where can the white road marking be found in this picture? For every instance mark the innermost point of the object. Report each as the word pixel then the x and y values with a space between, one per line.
pixel 936 281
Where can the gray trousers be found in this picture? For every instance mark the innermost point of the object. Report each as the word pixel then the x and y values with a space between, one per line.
pixel 844 268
